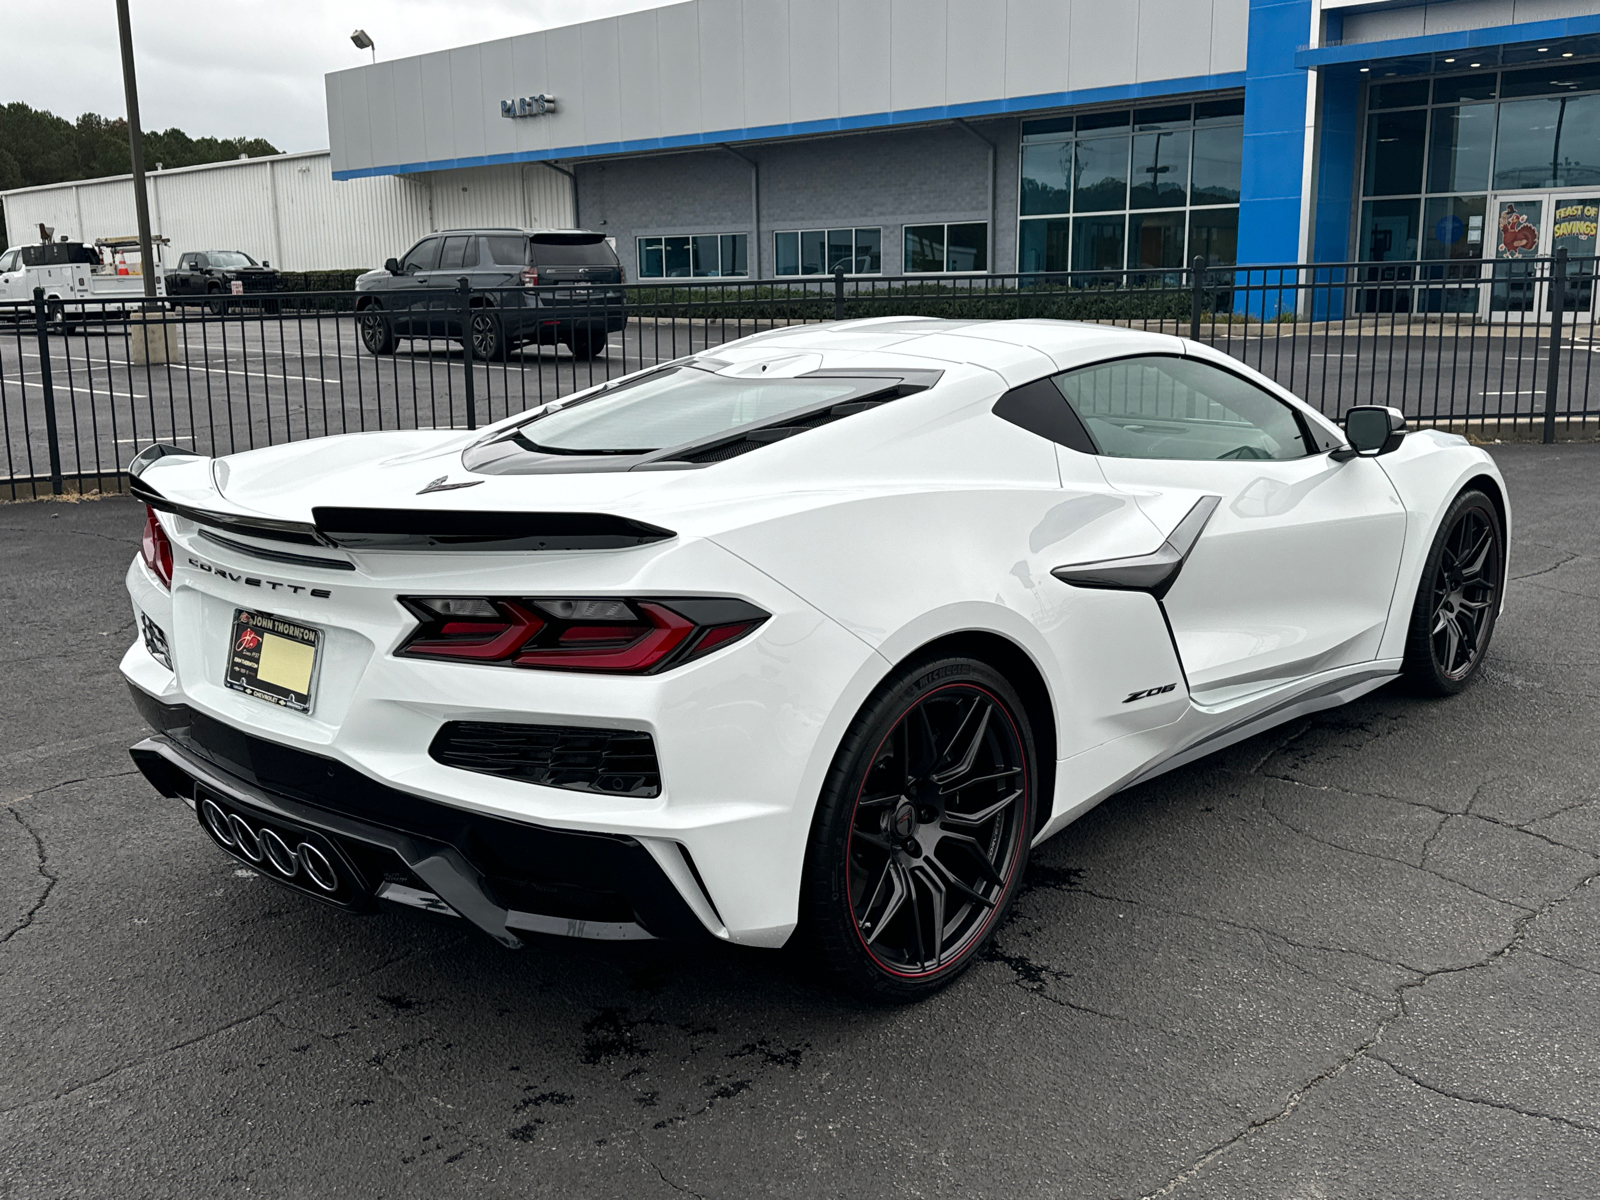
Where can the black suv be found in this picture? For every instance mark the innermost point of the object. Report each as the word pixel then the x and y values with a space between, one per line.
pixel 542 286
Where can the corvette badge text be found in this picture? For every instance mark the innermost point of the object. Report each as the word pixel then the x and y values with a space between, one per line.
pixel 251 581
pixel 1148 692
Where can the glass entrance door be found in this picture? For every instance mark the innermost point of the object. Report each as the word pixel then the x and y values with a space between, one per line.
pixel 1534 225
pixel 1519 238
pixel 1574 221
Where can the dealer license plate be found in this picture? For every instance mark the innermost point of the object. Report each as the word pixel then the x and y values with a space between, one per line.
pixel 272 659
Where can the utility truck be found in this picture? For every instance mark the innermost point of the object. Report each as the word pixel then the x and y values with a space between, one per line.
pixel 68 271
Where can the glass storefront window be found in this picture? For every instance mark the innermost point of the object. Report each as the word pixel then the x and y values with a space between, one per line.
pixel 1097 243
pixel 947 248
pixel 1458 154
pixel 735 257
pixel 786 254
pixel 707 255
pixel 1155 239
pixel 1453 88
pixel 1214 235
pixel 819 251
pixel 1394 153
pixel 1100 171
pixel 1404 93
pixel 1046 178
pixel 677 257
pixel 1389 230
pixel 1452 227
pixel 1552 142
pixel 1045 245
pixel 1160 175
pixel 1218 154
pixel 869 251
pixel 813 249
pixel 650 266
pixel 1173 157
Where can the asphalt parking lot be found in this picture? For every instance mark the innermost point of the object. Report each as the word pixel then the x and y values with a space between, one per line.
pixel 1355 957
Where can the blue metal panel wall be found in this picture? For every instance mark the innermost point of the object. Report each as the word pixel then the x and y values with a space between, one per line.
pixel 1337 139
pixel 1274 132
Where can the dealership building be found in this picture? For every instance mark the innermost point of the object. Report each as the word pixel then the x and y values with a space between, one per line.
pixel 783 138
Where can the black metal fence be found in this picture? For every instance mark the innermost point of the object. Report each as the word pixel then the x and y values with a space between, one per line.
pixel 1493 348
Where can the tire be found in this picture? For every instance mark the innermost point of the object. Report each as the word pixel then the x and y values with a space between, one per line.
pixel 487 341
pixel 377 334
pixel 586 345
pixel 897 832
pixel 215 302
pixel 1458 598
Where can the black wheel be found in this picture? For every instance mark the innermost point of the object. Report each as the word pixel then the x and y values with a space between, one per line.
pixel 215 302
pixel 56 317
pixel 1458 598
pixel 586 344
pixel 488 339
pixel 377 334
pixel 921 835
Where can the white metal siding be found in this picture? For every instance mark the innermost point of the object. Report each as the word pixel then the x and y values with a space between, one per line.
pixel 290 211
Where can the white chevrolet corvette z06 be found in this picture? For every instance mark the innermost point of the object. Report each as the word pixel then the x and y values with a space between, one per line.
pixel 810 635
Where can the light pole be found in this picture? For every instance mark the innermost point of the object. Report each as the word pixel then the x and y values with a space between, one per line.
pixel 364 42
pixel 141 202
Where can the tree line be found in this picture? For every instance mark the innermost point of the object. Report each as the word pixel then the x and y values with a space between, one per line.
pixel 38 147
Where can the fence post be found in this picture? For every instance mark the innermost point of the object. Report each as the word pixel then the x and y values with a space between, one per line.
pixel 838 293
pixel 1196 295
pixel 1558 305
pixel 464 290
pixel 42 328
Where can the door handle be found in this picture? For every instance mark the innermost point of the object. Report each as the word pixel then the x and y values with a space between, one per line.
pixel 1155 572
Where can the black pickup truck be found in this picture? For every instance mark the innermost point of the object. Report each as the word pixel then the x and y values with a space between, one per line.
pixel 208 276
pixel 559 286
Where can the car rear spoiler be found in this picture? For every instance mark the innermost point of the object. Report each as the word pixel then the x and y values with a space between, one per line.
pixel 412 529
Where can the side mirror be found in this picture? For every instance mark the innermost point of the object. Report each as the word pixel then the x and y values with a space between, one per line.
pixel 1371 429
pixel 392 265
pixel 265 264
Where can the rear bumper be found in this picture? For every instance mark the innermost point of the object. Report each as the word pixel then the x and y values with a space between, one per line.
pixel 505 877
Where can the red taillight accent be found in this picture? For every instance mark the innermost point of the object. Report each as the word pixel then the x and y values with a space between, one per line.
pixel 155 549
pixel 610 635
pixel 530 276
pixel 665 633
pixel 482 641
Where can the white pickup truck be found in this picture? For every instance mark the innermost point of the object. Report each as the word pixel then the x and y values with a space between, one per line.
pixel 68 271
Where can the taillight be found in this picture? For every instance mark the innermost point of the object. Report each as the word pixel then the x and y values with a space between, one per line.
pixel 530 276
pixel 155 550
pixel 629 637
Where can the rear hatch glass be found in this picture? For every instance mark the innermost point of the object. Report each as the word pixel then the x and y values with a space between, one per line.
pixel 572 250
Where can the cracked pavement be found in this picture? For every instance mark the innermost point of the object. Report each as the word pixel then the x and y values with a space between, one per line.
pixel 1358 955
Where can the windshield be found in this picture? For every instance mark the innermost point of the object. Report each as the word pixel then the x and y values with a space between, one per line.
pixel 678 405
pixel 229 258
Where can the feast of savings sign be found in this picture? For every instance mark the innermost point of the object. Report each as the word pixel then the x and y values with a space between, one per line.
pixel 1576 225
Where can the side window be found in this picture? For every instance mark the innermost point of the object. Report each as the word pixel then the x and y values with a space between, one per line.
pixel 8 261
pixel 1161 407
pixel 454 253
pixel 201 262
pixel 507 251
pixel 424 256
pixel 186 263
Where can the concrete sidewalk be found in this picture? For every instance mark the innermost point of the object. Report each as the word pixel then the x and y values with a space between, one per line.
pixel 1358 956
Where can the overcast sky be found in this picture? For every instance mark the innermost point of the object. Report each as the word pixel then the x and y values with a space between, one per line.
pixel 242 68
